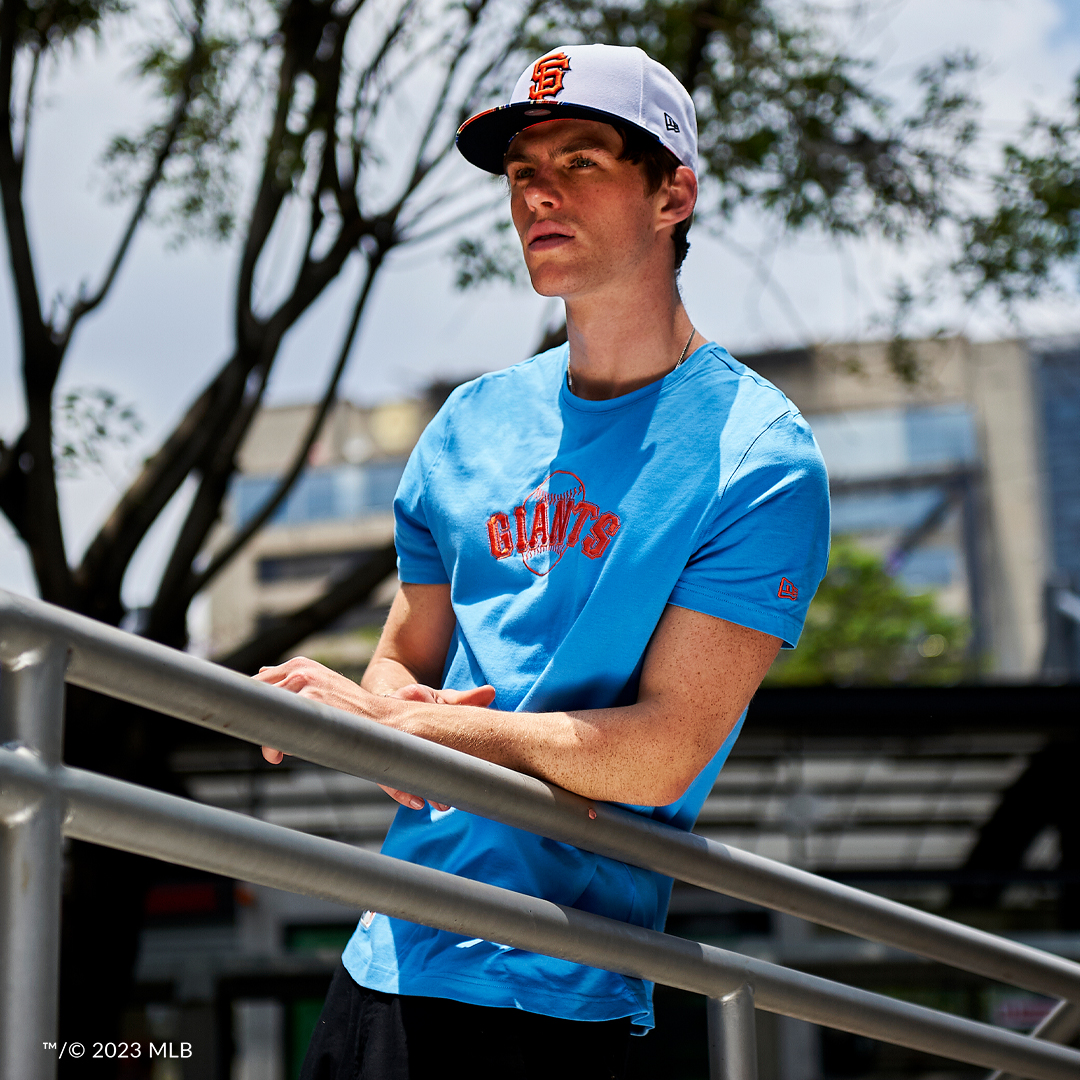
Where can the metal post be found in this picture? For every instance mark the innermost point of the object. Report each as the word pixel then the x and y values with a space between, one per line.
pixel 732 1036
pixel 31 716
pixel 1060 1025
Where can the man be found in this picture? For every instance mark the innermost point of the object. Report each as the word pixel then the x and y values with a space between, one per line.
pixel 601 550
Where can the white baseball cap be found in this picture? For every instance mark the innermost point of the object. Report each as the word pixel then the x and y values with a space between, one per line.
pixel 587 82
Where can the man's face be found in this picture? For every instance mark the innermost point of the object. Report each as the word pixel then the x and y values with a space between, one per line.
pixel 583 217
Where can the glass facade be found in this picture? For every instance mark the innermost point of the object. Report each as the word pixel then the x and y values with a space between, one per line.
pixel 895 442
pixel 340 493
pixel 1059 385
pixel 878 460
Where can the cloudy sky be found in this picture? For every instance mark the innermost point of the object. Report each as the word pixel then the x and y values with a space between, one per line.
pixel 166 324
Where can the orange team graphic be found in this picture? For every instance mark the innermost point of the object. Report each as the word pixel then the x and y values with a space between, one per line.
pixel 549 521
pixel 547 76
pixel 788 591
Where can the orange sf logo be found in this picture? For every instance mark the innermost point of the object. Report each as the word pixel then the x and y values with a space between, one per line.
pixel 547 76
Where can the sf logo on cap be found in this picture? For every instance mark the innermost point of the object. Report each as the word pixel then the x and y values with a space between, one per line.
pixel 547 76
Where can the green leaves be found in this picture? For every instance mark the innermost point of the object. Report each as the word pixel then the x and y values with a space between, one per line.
pixel 198 139
pixel 87 422
pixel 45 24
pixel 864 628
pixel 482 259
pixel 1018 247
pixel 786 120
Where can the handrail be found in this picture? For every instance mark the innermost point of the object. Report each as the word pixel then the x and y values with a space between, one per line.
pixel 145 673
pixel 42 646
pixel 1060 1025
pixel 119 814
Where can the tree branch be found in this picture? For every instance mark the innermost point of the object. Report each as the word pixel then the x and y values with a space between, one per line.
pixel 35 333
pixel 85 304
pixel 216 465
pixel 28 483
pixel 28 108
pixel 237 542
pixel 450 223
pixel 474 11
pixel 106 559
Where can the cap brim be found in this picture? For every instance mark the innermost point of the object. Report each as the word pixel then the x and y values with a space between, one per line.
pixel 484 138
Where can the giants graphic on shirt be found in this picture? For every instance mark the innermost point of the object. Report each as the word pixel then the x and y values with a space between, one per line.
pixel 552 519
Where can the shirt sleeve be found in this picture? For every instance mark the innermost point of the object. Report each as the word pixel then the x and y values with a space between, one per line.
pixel 418 558
pixel 766 547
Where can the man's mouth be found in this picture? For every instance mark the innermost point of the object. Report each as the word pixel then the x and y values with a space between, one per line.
pixel 544 238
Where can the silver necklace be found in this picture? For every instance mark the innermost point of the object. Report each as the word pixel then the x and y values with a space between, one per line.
pixel 682 357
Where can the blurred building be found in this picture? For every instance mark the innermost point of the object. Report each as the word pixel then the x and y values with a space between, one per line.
pixel 339 509
pixel 964 479
pixel 946 475
pixel 952 799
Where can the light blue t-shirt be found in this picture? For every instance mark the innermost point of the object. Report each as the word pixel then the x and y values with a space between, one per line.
pixel 564 528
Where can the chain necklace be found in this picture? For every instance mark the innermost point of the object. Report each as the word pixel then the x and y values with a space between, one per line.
pixel 682 357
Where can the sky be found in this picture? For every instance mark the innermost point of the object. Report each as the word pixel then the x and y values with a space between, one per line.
pixel 166 326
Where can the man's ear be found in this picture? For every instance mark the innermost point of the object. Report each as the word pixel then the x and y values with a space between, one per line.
pixel 680 197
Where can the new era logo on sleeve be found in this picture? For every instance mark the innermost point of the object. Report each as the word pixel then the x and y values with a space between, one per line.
pixel 670 124
pixel 788 591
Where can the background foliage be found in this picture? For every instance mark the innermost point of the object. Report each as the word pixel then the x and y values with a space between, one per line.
pixel 864 628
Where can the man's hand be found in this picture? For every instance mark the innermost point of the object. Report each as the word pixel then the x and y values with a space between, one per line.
pixel 482 696
pixel 310 679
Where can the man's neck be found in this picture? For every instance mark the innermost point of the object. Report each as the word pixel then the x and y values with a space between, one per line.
pixel 619 344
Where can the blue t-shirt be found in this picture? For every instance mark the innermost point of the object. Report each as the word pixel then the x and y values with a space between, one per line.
pixel 564 527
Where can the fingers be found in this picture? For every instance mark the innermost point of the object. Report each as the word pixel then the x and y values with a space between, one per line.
pixel 295 674
pixel 275 757
pixel 415 692
pixel 272 675
pixel 482 696
pixel 413 802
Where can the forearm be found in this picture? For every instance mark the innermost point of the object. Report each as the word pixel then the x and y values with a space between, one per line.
pixel 412 647
pixel 698 677
pixel 384 675
pixel 634 754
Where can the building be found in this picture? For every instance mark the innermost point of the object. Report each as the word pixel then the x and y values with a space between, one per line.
pixel 963 478
pixel 944 475
pixel 340 508
pixel 951 799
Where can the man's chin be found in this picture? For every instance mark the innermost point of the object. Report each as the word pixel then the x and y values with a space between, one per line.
pixel 546 281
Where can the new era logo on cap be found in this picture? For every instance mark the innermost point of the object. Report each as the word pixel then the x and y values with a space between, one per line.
pixel 587 82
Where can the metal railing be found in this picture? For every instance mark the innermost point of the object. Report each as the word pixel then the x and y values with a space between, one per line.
pixel 41 801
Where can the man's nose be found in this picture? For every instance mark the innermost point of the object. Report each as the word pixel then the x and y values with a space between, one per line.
pixel 542 191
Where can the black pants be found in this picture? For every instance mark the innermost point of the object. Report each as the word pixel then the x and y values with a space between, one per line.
pixel 365 1035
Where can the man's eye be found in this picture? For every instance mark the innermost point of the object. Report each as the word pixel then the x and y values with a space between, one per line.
pixel 580 162
pixel 520 174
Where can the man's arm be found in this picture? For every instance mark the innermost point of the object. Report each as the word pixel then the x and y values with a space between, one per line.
pixel 414 642
pixel 699 674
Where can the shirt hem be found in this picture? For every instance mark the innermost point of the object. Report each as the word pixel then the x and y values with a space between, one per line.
pixel 474 991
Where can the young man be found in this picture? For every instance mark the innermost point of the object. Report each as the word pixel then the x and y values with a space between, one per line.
pixel 601 550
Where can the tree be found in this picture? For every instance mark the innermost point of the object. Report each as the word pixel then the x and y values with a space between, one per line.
pixel 863 628
pixel 327 73
pixel 306 96
pixel 788 125
pixel 314 79
pixel 1017 248
pixel 1012 232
